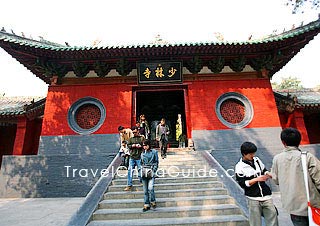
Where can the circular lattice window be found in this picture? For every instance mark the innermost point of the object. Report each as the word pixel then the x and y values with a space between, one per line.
pixel 86 115
pixel 234 110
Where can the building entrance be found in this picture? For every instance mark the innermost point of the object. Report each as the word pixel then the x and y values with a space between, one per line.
pixel 162 104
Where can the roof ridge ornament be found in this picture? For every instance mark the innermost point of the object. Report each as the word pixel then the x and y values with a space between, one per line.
pixel 159 41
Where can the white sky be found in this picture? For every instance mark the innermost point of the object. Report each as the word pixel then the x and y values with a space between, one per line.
pixel 139 21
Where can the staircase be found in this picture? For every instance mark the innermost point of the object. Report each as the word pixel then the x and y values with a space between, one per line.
pixel 186 194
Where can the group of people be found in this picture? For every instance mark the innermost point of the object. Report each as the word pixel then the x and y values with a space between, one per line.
pixel 286 171
pixel 137 152
pixel 251 173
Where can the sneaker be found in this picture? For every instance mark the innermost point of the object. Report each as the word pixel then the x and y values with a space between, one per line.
pixel 153 205
pixel 128 188
pixel 146 208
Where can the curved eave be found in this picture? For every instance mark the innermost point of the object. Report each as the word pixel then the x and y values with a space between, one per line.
pixel 311 105
pixel 288 44
pixel 36 109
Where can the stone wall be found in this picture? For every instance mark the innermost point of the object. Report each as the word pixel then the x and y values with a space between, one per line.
pixel 67 166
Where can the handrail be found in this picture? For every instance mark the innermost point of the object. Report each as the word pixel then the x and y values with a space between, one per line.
pixel 234 188
pixel 84 213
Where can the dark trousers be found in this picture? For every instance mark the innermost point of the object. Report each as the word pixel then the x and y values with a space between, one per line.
pixel 125 161
pixel 163 147
pixel 299 220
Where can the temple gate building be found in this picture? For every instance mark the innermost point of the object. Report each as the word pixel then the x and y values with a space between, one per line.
pixel 221 89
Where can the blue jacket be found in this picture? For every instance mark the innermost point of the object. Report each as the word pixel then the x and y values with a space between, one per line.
pixel 150 158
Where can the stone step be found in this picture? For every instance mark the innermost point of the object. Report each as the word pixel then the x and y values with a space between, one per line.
pixel 170 186
pixel 172 172
pixel 167 193
pixel 186 149
pixel 188 192
pixel 185 153
pixel 222 220
pixel 166 180
pixel 182 163
pixel 167 212
pixel 167 202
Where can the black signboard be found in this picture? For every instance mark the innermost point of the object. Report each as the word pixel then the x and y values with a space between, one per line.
pixel 159 72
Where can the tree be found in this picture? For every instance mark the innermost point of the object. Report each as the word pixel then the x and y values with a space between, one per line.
pixel 317 88
pixel 299 5
pixel 288 83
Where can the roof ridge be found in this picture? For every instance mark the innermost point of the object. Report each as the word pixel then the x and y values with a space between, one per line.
pixel 14 37
pixel 55 46
pixel 310 26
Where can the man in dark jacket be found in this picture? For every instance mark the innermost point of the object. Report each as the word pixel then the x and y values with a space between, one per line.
pixel 162 132
pixel 252 175
pixel 135 149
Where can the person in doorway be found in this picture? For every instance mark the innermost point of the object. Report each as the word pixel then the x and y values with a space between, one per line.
pixel 144 124
pixel 162 132
pixel 287 172
pixel 252 175
pixel 182 141
pixel 135 149
pixel 141 130
pixel 178 128
pixel 149 158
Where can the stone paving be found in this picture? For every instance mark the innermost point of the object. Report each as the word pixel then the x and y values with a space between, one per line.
pixel 57 211
pixel 37 211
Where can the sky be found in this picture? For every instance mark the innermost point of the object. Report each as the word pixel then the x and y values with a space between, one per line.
pixel 121 22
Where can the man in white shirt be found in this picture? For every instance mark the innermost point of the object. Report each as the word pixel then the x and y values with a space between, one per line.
pixel 251 175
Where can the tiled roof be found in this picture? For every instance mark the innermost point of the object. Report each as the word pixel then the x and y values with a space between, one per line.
pixel 46 59
pixel 14 106
pixel 305 97
pixel 44 44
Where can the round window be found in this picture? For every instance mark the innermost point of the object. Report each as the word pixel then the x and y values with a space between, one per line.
pixel 86 115
pixel 234 110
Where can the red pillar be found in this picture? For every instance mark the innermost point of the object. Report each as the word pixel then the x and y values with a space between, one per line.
pixel 19 142
pixel 187 111
pixel 300 125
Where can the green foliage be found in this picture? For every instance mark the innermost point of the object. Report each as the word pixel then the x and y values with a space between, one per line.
pixel 317 88
pixel 300 5
pixel 288 83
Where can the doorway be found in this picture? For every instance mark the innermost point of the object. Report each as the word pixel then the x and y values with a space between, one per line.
pixel 162 104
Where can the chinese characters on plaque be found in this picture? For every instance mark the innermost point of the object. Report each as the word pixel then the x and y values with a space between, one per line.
pixel 161 72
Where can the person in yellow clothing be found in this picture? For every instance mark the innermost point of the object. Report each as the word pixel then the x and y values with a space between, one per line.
pixel 180 137
pixel 178 127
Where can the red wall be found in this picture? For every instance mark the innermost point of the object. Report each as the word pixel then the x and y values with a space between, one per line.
pixel 116 98
pixel 312 123
pixel 299 121
pixel 27 136
pixel 204 94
